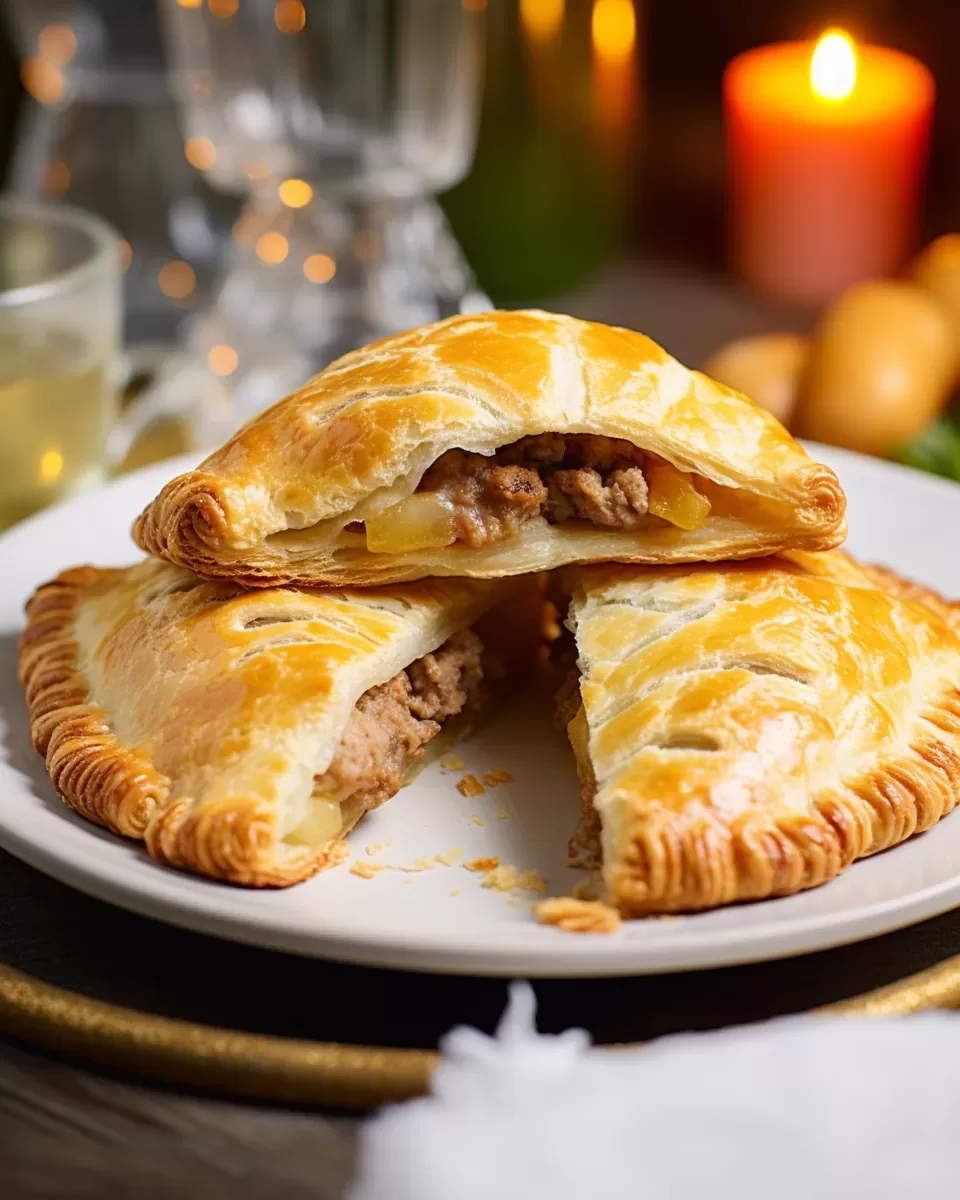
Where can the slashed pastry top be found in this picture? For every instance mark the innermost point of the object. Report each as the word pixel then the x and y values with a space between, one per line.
pixel 495 444
pixel 241 734
pixel 748 730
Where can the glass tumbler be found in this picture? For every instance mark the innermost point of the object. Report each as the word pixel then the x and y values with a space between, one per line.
pixel 60 343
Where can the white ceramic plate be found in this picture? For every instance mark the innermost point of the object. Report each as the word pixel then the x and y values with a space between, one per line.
pixel 442 919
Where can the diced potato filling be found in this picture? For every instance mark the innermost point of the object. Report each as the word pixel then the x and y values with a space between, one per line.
pixel 673 496
pixel 420 522
pixel 322 823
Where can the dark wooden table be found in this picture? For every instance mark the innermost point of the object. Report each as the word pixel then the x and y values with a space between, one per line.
pixel 67 1130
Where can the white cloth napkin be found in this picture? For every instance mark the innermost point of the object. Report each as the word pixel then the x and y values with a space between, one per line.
pixel 794 1109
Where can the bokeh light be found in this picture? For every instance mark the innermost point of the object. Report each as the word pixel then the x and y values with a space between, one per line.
pixel 319 268
pixel 613 28
pixel 57 43
pixel 290 16
pixel 295 193
pixel 42 79
pixel 541 19
pixel 222 360
pixel 176 279
pixel 200 152
pixel 51 466
pixel 272 248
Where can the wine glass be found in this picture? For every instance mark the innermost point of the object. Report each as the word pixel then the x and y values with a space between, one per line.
pixel 342 119
pixel 100 130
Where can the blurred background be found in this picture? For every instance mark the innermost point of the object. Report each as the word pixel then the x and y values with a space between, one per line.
pixel 283 180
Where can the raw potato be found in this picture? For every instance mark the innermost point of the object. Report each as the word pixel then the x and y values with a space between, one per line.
pixel 938 270
pixel 767 368
pixel 882 367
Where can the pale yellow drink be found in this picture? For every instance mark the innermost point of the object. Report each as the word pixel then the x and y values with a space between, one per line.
pixel 57 406
pixel 60 330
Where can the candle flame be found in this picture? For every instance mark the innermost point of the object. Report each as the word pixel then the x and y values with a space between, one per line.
pixel 833 66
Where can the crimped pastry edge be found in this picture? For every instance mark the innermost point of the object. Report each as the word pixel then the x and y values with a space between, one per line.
pixel 688 864
pixel 116 786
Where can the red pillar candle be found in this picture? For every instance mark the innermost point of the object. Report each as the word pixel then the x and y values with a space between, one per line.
pixel 827 147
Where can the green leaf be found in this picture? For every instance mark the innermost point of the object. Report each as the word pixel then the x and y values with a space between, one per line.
pixel 936 449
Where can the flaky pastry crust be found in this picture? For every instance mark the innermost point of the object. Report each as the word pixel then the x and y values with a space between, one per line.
pixel 749 730
pixel 196 717
pixel 271 506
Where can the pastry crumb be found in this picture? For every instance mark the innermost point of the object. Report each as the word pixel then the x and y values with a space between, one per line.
pixel 449 857
pixel 366 870
pixel 483 864
pixel 478 820
pixel 452 762
pixel 502 815
pixel 336 853
pixel 470 785
pixel 455 892
pixel 577 916
pixel 376 847
pixel 408 881
pixel 421 864
pixel 497 778
pixel 507 878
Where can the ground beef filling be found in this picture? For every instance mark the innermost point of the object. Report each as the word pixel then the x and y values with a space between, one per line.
pixel 561 476
pixel 393 722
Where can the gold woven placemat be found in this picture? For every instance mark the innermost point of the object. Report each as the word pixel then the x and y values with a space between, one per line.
pixel 290 1070
pixel 295 1071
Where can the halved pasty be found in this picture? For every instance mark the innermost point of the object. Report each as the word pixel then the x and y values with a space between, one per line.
pixel 243 734
pixel 490 445
pixel 748 730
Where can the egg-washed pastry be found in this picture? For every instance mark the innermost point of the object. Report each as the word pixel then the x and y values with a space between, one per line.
pixel 489 445
pixel 748 730
pixel 243 734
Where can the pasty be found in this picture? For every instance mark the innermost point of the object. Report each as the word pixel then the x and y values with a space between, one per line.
pixel 243 734
pixel 748 730
pixel 497 444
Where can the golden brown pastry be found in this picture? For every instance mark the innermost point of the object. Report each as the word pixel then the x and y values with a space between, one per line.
pixel 242 734
pixel 748 730
pixel 490 445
